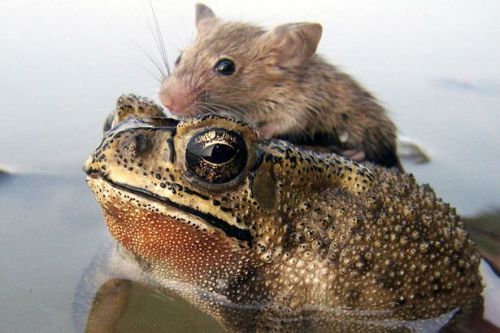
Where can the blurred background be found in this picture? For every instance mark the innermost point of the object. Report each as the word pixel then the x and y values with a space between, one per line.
pixel 435 65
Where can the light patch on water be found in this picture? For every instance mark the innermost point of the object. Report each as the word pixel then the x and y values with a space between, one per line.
pixel 491 293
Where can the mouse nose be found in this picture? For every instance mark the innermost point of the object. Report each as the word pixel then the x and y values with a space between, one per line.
pixel 179 103
pixel 166 97
pixel 167 101
pixel 173 104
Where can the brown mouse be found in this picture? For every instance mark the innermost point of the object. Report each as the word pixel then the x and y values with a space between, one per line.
pixel 275 80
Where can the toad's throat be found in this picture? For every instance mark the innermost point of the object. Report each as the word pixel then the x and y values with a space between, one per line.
pixel 229 230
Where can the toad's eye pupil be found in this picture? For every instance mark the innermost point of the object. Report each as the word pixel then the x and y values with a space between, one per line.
pixel 218 153
pixel 225 67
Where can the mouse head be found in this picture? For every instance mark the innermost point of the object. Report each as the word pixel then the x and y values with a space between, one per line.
pixel 233 67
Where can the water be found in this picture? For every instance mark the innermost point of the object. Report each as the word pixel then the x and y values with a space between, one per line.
pixel 63 63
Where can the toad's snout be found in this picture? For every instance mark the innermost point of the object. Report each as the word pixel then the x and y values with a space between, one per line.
pixel 87 167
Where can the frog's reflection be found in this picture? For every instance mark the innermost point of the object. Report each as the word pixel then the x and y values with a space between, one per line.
pixel 125 306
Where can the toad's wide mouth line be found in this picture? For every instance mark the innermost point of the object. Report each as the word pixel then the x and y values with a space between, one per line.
pixel 230 230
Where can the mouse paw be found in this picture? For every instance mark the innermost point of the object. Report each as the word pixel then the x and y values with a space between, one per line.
pixel 355 155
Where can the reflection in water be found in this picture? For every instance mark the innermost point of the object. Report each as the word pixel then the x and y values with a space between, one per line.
pixel 125 306
pixel 108 301
pixel 485 231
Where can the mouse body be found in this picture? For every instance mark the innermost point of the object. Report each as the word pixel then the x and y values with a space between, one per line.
pixel 275 80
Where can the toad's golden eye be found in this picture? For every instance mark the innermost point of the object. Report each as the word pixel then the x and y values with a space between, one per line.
pixel 216 155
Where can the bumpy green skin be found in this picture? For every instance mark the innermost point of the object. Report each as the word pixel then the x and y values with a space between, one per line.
pixel 334 245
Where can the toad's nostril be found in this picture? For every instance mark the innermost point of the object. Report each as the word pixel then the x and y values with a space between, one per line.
pixel 142 144
pixel 136 146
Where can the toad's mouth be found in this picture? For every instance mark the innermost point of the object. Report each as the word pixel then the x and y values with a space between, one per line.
pixel 230 230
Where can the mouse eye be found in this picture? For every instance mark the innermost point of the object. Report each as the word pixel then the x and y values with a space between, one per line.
pixel 178 60
pixel 216 155
pixel 224 67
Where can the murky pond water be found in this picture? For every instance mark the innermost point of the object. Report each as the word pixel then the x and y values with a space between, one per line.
pixel 433 64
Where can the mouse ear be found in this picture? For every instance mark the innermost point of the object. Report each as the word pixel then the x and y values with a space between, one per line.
pixel 204 16
pixel 294 43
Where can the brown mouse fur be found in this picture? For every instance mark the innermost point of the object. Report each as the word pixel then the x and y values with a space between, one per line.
pixel 281 86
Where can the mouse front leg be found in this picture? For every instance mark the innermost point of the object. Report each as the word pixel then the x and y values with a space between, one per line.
pixel 352 154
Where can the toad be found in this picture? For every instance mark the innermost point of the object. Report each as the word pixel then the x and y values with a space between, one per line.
pixel 264 235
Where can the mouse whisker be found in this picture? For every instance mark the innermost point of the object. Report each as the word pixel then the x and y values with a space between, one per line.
pixel 197 89
pixel 155 76
pixel 153 60
pixel 231 109
pixel 193 69
pixel 158 38
pixel 207 110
